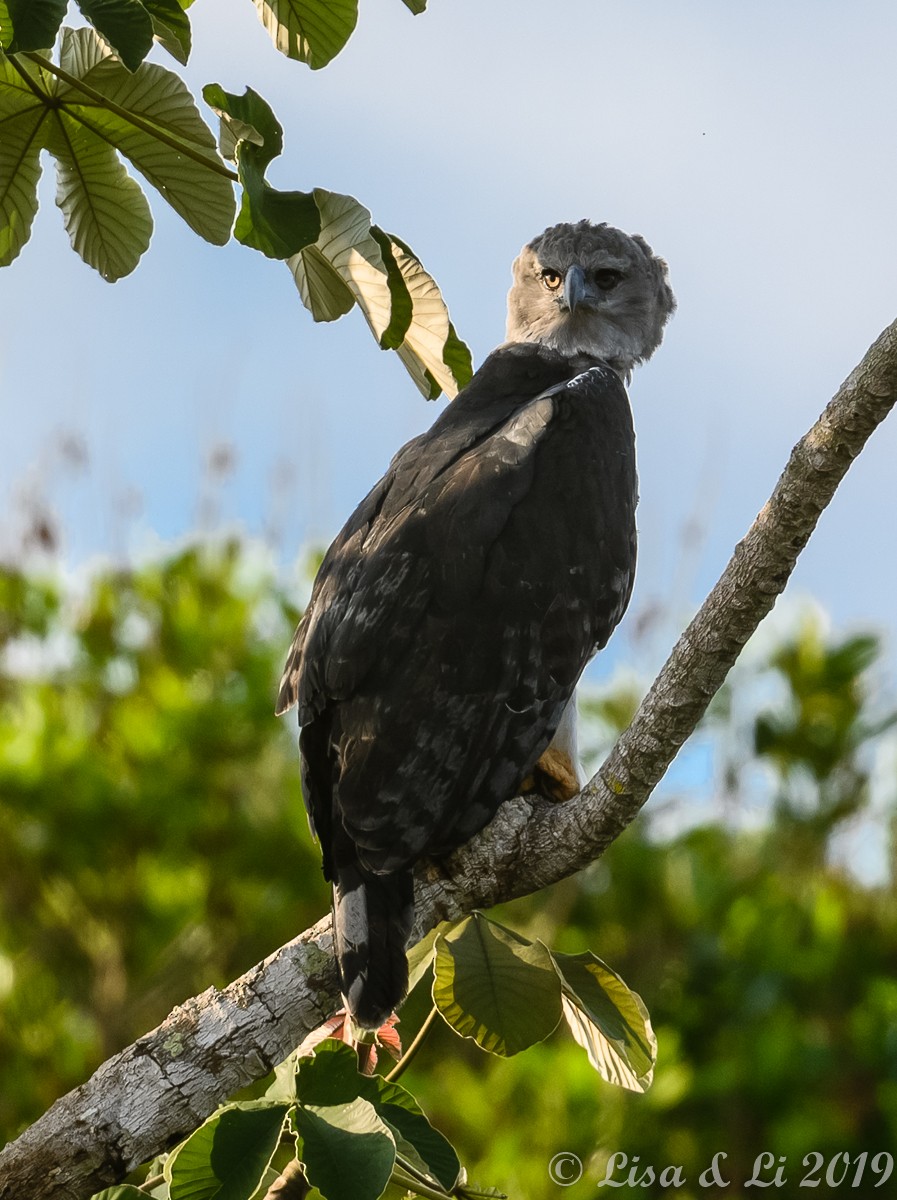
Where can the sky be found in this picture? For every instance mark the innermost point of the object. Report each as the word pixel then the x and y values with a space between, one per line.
pixel 753 146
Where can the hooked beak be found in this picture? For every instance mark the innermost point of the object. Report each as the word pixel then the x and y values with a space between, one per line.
pixel 577 291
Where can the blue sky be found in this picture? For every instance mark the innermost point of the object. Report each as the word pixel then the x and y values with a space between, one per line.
pixel 753 147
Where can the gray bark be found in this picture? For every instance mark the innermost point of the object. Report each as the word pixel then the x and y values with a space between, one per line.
pixel 156 1091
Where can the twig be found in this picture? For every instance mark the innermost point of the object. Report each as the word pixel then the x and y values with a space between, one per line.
pixel 405 1061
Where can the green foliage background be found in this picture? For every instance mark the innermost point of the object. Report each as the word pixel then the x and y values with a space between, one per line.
pixel 153 842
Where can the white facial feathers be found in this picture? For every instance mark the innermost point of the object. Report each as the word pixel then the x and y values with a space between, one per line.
pixel 590 289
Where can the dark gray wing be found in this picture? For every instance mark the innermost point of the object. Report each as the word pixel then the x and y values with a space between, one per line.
pixel 364 579
pixel 453 616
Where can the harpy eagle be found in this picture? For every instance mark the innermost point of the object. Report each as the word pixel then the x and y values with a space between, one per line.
pixel 453 615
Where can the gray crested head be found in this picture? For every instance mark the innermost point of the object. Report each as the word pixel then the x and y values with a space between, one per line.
pixel 590 289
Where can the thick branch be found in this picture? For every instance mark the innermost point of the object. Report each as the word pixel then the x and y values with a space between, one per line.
pixel 154 1092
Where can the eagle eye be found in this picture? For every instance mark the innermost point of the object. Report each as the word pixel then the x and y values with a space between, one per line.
pixel 607 278
pixel 552 278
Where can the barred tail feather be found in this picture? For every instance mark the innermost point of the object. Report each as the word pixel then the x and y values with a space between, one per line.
pixel 372 918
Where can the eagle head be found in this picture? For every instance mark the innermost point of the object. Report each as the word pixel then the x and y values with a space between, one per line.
pixel 590 289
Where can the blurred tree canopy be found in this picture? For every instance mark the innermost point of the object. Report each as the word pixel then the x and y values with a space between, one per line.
pixel 147 795
pixel 153 842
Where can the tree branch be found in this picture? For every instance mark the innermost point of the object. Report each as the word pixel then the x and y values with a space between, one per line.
pixel 156 1091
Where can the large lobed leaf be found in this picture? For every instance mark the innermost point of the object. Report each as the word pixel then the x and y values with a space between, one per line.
pixel 422 953
pixel 416 1140
pixel 347 1151
pixel 310 31
pixel 496 987
pixel 171 27
pixel 30 24
pixel 608 1020
pixel 337 257
pixel 507 993
pixel 22 121
pixel 129 26
pixel 432 351
pixel 104 210
pixel 227 1156
pixel 351 1131
pixel 345 266
pixel 124 24
pixel 331 1078
pixel 152 104
pixel 152 121
pixel 354 261
pixel 124 1191
pixel 276 223
pixel 314 31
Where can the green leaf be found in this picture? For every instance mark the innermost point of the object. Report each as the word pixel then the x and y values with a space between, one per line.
pixel 608 1020
pixel 155 114
pixel 124 1191
pixel 171 27
pixel 416 6
pixel 152 121
pixel 233 129
pixel 495 987
pixel 353 261
pixel 124 24
pixel 456 356
pixel 35 24
pixel 311 31
pixel 332 1078
pixel 402 305
pixel 104 210
pixel 347 1151
pixel 344 266
pixel 416 1139
pixel 279 224
pixel 432 352
pixel 336 256
pixel 248 118
pixel 421 955
pixel 276 223
pixel 323 293
pixel 21 117
pixel 283 1086
pixel 228 1155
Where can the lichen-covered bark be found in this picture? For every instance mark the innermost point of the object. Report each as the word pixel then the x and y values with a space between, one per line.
pixel 157 1090
pixel 150 1095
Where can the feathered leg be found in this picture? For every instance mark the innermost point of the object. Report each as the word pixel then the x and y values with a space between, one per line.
pixel 558 774
pixel 372 918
